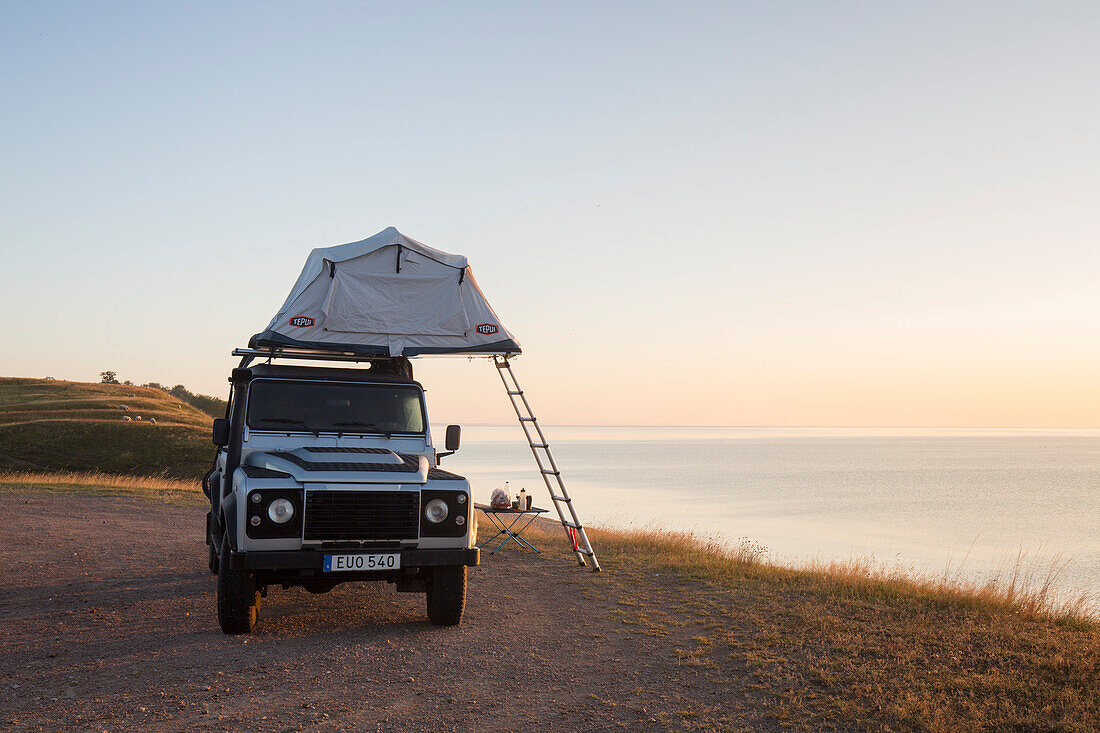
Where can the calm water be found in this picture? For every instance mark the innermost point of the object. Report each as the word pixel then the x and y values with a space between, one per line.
pixel 970 499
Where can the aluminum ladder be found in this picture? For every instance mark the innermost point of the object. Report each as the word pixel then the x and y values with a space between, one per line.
pixel 548 468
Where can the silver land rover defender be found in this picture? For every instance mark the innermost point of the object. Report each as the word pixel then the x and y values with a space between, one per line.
pixel 328 475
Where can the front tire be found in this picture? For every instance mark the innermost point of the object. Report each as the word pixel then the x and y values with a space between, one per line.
pixel 446 595
pixel 238 597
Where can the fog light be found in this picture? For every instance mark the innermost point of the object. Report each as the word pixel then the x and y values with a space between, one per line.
pixel 255 521
pixel 280 511
pixel 255 498
pixel 461 499
pixel 460 520
pixel 436 511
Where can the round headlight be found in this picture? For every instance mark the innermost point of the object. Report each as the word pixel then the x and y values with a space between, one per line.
pixel 280 511
pixel 436 511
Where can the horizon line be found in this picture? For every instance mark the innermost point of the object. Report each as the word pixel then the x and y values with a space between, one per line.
pixel 863 427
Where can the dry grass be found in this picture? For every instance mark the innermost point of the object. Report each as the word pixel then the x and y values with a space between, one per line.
pixel 1026 586
pixel 856 645
pixel 104 484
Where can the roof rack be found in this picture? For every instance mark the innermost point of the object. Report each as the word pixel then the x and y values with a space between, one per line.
pixel 247 355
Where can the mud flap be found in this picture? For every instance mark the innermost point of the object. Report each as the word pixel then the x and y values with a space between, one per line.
pixel 414 584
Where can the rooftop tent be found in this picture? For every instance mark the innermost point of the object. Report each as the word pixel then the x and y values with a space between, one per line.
pixel 387 295
pixel 391 296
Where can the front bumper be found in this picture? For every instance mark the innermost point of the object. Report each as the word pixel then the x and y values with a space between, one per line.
pixel 315 559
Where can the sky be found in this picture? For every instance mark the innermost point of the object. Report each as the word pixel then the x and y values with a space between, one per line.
pixel 688 213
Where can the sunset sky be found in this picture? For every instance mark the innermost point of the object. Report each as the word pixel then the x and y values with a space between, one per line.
pixel 688 213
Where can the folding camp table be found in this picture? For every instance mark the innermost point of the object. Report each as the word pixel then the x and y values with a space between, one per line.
pixel 504 520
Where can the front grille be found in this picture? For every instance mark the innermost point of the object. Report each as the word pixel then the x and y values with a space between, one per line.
pixel 362 515
pixel 353 545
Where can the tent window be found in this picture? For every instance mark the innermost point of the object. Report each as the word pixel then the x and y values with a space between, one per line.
pixel 423 305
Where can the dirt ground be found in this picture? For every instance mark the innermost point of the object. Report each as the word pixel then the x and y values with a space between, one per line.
pixel 107 623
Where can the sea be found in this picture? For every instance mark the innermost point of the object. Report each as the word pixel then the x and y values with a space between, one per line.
pixel 961 503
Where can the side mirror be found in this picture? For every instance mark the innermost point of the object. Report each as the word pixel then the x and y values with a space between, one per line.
pixel 221 431
pixel 454 437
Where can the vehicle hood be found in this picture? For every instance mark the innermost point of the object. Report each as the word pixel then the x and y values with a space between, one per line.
pixel 317 464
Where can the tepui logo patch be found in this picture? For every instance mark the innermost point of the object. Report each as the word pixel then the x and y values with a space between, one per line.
pixel 486 328
pixel 301 321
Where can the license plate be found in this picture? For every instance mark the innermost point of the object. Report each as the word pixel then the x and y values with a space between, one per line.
pixel 387 561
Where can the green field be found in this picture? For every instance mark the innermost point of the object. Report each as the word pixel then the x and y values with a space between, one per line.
pixel 78 426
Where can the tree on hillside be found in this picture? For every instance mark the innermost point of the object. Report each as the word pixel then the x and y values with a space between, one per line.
pixel 108 377
pixel 210 405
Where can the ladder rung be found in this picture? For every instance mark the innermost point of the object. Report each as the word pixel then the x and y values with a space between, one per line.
pixel 512 388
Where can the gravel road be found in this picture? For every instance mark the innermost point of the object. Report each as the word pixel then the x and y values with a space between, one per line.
pixel 107 623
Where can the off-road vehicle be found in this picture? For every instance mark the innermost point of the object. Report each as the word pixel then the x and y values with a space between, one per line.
pixel 327 475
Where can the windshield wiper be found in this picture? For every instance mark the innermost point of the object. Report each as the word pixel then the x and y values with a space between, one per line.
pixel 357 424
pixel 284 420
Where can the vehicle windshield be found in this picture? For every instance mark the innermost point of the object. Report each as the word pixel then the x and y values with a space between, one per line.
pixel 341 407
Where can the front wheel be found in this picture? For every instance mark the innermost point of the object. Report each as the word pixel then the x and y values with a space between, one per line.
pixel 238 596
pixel 446 595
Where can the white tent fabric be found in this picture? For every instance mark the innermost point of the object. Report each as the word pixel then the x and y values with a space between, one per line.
pixel 387 295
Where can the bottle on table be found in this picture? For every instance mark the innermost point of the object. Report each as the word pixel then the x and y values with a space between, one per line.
pixel 523 505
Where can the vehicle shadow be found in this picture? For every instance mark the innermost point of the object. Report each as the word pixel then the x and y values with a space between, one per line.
pixel 33 599
pixel 353 608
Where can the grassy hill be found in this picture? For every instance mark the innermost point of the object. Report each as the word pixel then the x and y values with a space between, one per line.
pixel 80 426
